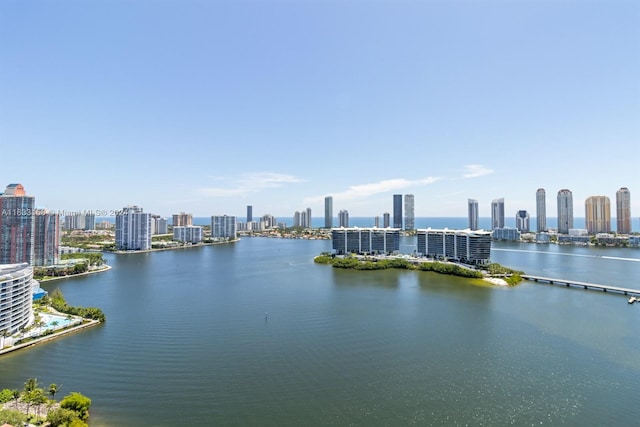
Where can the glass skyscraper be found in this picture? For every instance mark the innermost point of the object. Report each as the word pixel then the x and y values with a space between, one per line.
pixel 328 212
pixel 397 211
pixel 565 211
pixel 409 213
pixel 473 214
pixel 497 213
pixel 541 210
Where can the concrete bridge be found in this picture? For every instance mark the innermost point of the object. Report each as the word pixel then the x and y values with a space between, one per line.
pixel 585 285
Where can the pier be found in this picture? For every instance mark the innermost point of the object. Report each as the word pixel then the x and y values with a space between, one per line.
pixel 584 285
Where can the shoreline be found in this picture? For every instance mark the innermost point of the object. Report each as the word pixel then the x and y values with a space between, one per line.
pixel 197 245
pixel 68 276
pixel 86 323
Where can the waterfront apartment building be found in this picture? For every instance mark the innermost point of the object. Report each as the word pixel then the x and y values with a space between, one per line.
pixel 159 225
pixel 522 221
pixel 16 296
pixel 376 241
pixel 82 220
pixel 506 233
pixel 17 226
pixel 302 219
pixel 474 219
pixel 597 214
pixel 133 229
pixel 409 213
pixel 46 238
pixel 565 211
pixel 541 210
pixel 397 211
pixel 623 211
pixel 268 221
pixel 249 214
pixel 328 212
pixel 223 227
pixel 497 213
pixel 343 218
pixel 188 233
pixel 386 220
pixel 182 219
pixel 466 246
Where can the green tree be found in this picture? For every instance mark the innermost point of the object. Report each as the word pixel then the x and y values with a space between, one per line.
pixel 61 417
pixel 12 417
pixel 5 395
pixel 78 403
pixel 31 384
pixel 53 389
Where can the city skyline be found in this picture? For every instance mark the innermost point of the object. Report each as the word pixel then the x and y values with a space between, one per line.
pixel 256 95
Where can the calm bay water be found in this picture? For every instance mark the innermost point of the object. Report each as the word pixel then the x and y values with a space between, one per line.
pixel 187 341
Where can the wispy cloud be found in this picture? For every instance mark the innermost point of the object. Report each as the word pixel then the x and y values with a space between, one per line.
pixel 474 171
pixel 366 190
pixel 248 183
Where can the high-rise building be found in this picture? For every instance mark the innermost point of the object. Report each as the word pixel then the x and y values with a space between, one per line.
pixel 497 213
pixel 365 240
pixel 597 214
pixel 182 219
pixel 541 210
pixel 328 212
pixel 565 211
pixel 376 221
pixel 472 205
pixel 386 220
pixel 189 233
pixel 249 213
pixel 343 217
pixel 16 226
pixel 159 225
pixel 623 211
pixel 16 285
pixel 397 211
pixel 46 240
pixel 522 221
pixel 268 221
pixel 302 219
pixel 133 229
pixel 409 214
pixel 470 247
pixel 223 226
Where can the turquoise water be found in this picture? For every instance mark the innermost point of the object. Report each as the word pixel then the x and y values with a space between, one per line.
pixel 187 342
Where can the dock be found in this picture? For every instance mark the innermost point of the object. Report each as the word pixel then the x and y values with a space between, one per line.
pixel 584 285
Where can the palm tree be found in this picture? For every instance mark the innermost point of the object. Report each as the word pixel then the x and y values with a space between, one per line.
pixel 31 384
pixel 53 389
pixel 16 395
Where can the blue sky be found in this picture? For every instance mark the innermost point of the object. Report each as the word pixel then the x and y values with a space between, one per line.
pixel 209 106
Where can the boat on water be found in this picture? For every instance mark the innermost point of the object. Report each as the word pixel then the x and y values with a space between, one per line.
pixel 632 300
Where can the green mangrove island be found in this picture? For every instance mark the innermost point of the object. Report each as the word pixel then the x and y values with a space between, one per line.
pixel 353 262
pixel 31 405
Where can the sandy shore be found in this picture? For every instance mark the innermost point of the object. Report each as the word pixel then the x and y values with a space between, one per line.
pixel 496 281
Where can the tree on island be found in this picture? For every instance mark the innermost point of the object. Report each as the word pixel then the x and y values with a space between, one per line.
pixel 77 403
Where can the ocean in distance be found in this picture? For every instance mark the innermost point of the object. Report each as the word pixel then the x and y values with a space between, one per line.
pixel 255 334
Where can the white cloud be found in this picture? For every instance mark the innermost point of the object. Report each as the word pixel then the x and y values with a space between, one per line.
pixel 362 191
pixel 474 171
pixel 248 183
